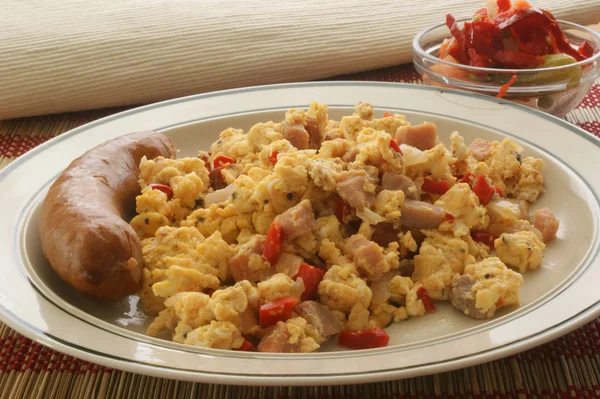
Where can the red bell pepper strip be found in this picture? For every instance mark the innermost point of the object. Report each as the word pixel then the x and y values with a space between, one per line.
pixel 273 242
pixel 247 346
pixel 504 88
pixel 394 146
pixel 459 49
pixel 437 187
pixel 423 295
pixel 280 310
pixel 585 49
pixel 478 60
pixel 480 14
pixel 342 210
pixel 221 160
pixel 484 238
pixel 558 37
pixel 468 178
pixel 364 339
pixel 165 189
pixel 503 5
pixel 273 157
pixel 483 190
pixel 311 276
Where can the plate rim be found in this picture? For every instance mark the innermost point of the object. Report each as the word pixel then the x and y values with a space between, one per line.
pixel 490 354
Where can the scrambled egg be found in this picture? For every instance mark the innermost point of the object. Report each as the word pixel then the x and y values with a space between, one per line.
pixel 371 217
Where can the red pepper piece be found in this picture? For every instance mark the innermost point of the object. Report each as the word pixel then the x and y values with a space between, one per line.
pixel 504 88
pixel 394 146
pixel 342 210
pixel 449 217
pixel 387 115
pixel 585 49
pixel 478 60
pixel 364 339
pixel 484 238
pixel 561 43
pixel 273 157
pixel 483 190
pixel 423 295
pixel 221 160
pixel 311 276
pixel 438 187
pixel 468 178
pixel 480 15
pixel 165 189
pixel 247 346
pixel 279 310
pixel 273 243
pixel 503 5
pixel 459 49
pixel 498 191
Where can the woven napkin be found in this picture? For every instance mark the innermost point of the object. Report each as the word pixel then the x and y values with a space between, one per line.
pixel 68 55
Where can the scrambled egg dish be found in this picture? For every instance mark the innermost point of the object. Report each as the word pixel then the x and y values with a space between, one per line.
pixel 296 231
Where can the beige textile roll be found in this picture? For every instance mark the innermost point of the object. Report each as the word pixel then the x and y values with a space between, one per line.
pixel 67 55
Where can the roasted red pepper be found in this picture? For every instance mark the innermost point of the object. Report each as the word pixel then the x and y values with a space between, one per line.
pixel 483 190
pixel 437 187
pixel 311 276
pixel 503 5
pixel 273 157
pixel 585 49
pixel 459 49
pixel 247 346
pixel 364 339
pixel 394 146
pixel 273 243
pixel 423 295
pixel 165 189
pixel 468 178
pixel 484 238
pixel 280 310
pixel 222 160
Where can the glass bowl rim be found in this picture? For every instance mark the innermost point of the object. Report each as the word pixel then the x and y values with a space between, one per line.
pixel 421 52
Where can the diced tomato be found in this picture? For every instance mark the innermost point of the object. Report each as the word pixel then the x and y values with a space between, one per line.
pixel 503 5
pixel 468 178
pixel 342 210
pixel 483 190
pixel 247 346
pixel 221 160
pixel 273 243
pixel 437 187
pixel 311 276
pixel 279 310
pixel 387 115
pixel 504 88
pixel 273 157
pixel 165 189
pixel 585 49
pixel 498 191
pixel 364 339
pixel 394 146
pixel 423 295
pixel 484 238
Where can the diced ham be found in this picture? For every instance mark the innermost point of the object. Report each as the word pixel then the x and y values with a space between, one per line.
pixel 351 187
pixel 315 137
pixel 380 288
pixel 497 229
pixel 239 264
pixel 297 135
pixel 463 299
pixel 421 215
pixel 384 233
pixel 216 179
pixel 397 182
pixel 480 149
pixel 545 221
pixel 276 339
pixel 423 136
pixel 297 221
pixel 320 317
pixel 367 256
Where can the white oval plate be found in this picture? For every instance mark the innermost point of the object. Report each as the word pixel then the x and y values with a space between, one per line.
pixel 558 298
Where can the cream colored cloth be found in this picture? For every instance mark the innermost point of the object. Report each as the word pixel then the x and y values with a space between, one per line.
pixel 67 55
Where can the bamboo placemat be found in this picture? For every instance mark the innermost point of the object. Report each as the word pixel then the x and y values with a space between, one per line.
pixel 566 367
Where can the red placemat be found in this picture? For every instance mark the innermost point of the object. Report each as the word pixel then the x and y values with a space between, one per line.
pixel 566 367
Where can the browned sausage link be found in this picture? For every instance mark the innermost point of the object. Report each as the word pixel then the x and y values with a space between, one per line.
pixel 82 228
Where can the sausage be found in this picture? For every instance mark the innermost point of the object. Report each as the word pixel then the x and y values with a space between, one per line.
pixel 84 235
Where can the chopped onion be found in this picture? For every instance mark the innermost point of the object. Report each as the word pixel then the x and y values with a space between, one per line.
pixel 369 216
pixel 219 195
pixel 492 8
pixel 412 155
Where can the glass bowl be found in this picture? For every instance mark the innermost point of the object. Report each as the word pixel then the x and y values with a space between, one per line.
pixel 556 90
